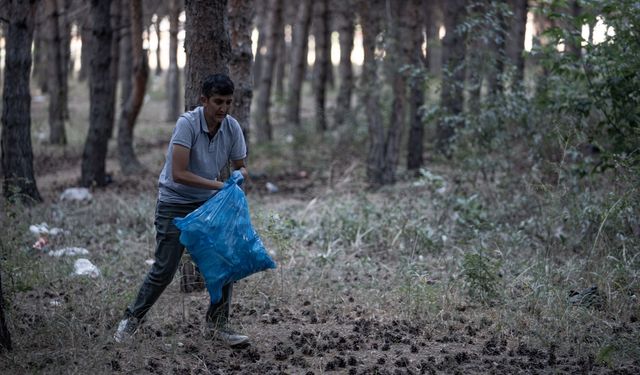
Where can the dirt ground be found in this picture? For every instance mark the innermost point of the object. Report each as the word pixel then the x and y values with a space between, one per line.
pixel 303 318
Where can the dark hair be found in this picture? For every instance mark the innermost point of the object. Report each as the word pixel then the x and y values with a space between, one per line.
pixel 219 84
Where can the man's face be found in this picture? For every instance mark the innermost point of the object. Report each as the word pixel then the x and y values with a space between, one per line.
pixel 216 107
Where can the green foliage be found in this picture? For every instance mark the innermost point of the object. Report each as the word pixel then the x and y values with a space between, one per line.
pixel 600 90
pixel 481 275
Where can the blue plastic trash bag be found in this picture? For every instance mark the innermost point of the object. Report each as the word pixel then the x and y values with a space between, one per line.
pixel 221 239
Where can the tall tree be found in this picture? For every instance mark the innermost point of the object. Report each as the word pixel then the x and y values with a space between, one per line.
pixel 208 49
pixel 173 75
pixel 265 131
pixel 85 38
pixel 453 55
pixel 322 64
pixel 241 13
pixel 116 39
pixel 5 335
pixel 17 156
pixel 101 95
pixel 346 30
pixel 515 37
pixel 262 15
pixel 574 29
pixel 129 163
pixel 434 20
pixel 156 28
pixel 40 69
pixel 67 62
pixel 55 73
pixel 415 141
pixel 371 27
pixel 400 25
pixel 207 44
pixel 299 49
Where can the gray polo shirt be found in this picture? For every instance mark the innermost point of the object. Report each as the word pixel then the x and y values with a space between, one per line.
pixel 206 158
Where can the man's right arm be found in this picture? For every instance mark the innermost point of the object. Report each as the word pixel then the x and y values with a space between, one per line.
pixel 182 175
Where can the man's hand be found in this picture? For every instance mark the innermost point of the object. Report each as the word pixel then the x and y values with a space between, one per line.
pixel 181 175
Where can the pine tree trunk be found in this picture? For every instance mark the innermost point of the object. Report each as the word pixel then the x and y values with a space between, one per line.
pixel 173 76
pixel 498 48
pixel 156 25
pixel 265 131
pixel 17 156
pixel 263 28
pixel 453 55
pixel 515 38
pixel 129 163
pixel 85 39
pixel 55 74
pixel 281 66
pixel 40 50
pixel 67 63
pixel 299 51
pixel 207 45
pixel 415 141
pixel 434 19
pixel 100 87
pixel 401 26
pixel 5 335
pixel 370 91
pixel 208 48
pixel 241 14
pixel 116 26
pixel 321 67
pixel 574 41
pixel 346 30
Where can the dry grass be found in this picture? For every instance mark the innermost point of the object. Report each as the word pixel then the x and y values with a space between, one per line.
pixel 439 274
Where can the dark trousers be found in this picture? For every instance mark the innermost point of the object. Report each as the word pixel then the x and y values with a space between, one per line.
pixel 167 260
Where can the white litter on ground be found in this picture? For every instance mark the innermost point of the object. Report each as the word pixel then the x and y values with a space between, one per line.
pixel 76 194
pixel 43 228
pixel 69 251
pixel 84 267
pixel 150 261
pixel 271 187
pixel 55 303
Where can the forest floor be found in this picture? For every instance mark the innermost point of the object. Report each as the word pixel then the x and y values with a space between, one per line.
pixel 368 282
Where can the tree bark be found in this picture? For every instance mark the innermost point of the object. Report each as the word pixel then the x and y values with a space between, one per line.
pixel 498 48
pixel 40 51
pixel 241 14
pixel 55 74
pixel 415 142
pixel 346 30
pixel 173 76
pixel 281 66
pixel 299 51
pixel 17 156
pixel 116 26
pixel 321 66
pixel 129 163
pixel 85 55
pixel 100 87
pixel 156 26
pixel 5 335
pixel 434 19
pixel 207 45
pixel 67 62
pixel 265 131
pixel 400 25
pixel 453 55
pixel 573 31
pixel 515 38
pixel 263 27
pixel 370 90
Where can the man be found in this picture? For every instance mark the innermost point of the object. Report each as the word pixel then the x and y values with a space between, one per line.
pixel 202 142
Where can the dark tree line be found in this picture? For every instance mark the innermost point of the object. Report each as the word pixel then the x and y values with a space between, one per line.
pixel 399 28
